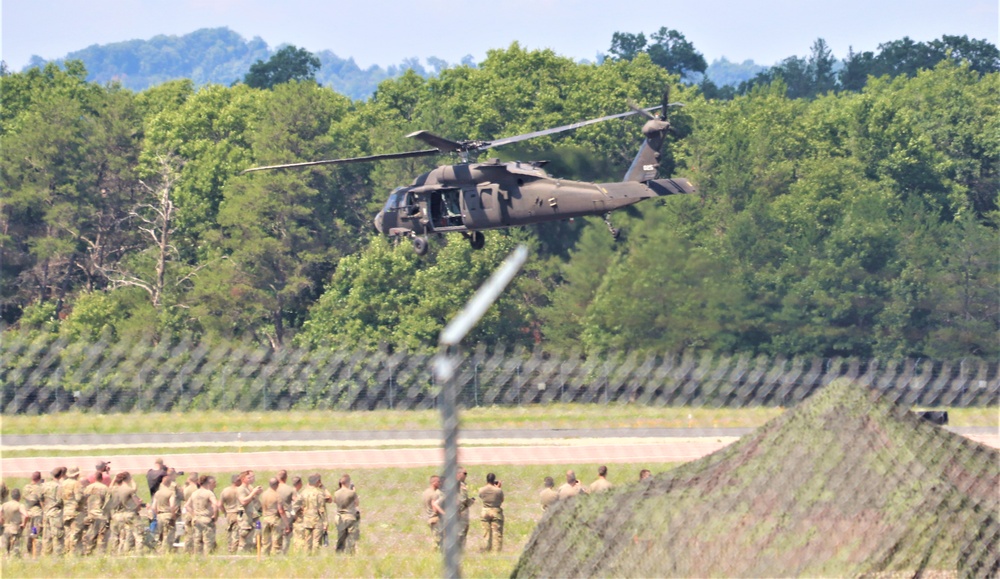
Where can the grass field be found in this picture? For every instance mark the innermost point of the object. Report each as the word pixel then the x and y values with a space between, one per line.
pixel 395 540
pixel 535 416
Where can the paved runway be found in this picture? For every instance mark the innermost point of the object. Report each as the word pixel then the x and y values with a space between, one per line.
pixel 516 447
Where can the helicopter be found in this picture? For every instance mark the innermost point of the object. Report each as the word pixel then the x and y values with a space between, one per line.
pixel 471 197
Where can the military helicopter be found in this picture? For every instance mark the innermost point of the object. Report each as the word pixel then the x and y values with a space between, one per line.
pixel 471 197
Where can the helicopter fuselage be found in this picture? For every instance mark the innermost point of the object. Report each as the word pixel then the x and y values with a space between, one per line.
pixel 493 195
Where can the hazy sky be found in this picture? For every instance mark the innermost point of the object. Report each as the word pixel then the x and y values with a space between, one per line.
pixel 384 32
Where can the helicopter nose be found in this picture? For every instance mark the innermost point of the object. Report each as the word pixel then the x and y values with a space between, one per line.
pixel 378 222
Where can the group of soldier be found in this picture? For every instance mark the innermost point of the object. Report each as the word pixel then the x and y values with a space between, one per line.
pixel 68 515
pixel 491 495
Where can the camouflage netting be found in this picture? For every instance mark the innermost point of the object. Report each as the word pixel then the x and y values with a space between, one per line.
pixel 846 484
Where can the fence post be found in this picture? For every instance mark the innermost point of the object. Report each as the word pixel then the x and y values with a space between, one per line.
pixel 445 363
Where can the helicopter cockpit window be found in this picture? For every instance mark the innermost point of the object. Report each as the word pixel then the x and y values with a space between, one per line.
pixel 396 200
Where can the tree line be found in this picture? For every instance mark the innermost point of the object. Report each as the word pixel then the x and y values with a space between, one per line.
pixel 804 77
pixel 221 56
pixel 853 223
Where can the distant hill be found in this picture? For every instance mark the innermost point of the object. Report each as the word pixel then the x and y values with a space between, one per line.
pixel 220 56
pixel 725 73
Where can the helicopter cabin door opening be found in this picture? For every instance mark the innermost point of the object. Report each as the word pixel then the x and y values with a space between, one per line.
pixel 446 210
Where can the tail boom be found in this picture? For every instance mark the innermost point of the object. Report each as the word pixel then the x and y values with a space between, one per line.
pixel 630 192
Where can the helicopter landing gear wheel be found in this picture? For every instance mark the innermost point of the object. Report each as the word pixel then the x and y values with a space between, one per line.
pixel 420 245
pixel 477 240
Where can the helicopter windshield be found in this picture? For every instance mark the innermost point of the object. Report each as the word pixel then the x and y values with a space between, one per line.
pixel 396 200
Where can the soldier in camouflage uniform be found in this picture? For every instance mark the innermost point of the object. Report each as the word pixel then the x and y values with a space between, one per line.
pixel 464 502
pixel 313 504
pixel 250 503
pixel 572 487
pixel 164 509
pixel 124 529
pixel 273 520
pixel 52 513
pixel 324 536
pixel 431 501
pixel 74 510
pixel 98 495
pixel 13 517
pixel 230 505
pixel 347 515
pixel 286 493
pixel 549 495
pixel 189 487
pixel 601 484
pixel 492 514
pixel 204 509
pixel 32 494
pixel 296 513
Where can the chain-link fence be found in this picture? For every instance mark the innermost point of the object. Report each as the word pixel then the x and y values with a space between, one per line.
pixel 44 375
pixel 846 482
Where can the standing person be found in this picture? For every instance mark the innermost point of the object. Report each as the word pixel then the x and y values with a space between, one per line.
pixel 601 484
pixel 286 493
pixel 431 500
pixel 572 487
pixel 154 476
pixel 102 472
pixel 492 513
pixel 346 500
pixel 250 502
pixel 189 487
pixel 296 515
pixel 32 494
pixel 163 510
pixel 313 503
pixel 549 494
pixel 464 502
pixel 13 517
pixel 74 510
pixel 272 518
pixel 325 515
pixel 98 495
pixel 204 509
pixel 231 507
pixel 52 513
pixel 124 504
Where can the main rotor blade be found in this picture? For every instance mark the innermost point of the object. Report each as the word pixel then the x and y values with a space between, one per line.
pixel 635 107
pixel 433 140
pixel 404 155
pixel 526 136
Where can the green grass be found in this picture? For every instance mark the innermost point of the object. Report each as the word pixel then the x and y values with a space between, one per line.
pixel 395 541
pixel 535 416
pixel 159 450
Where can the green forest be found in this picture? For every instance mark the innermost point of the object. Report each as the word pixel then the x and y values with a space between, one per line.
pixel 847 221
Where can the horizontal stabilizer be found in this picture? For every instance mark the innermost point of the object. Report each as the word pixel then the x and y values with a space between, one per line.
pixel 670 186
